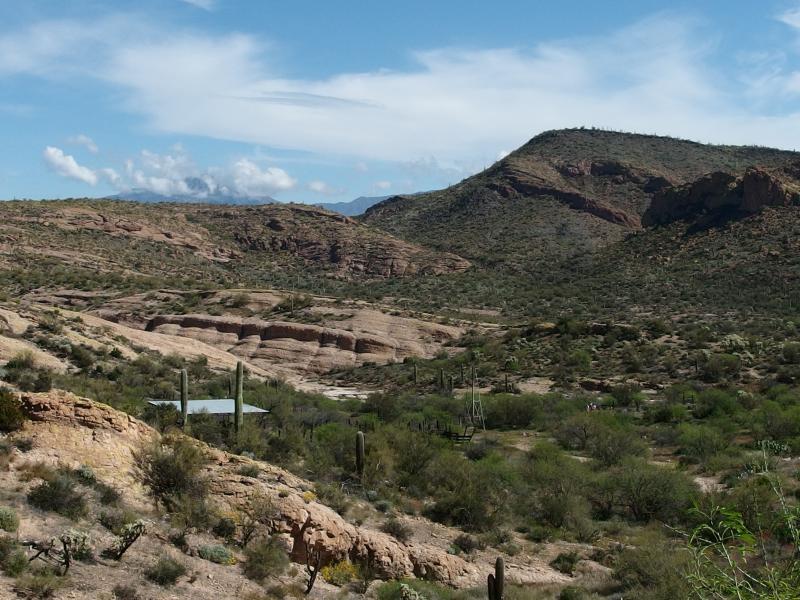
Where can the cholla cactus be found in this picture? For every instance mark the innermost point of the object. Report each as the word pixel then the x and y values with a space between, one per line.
pixel 127 536
pixel 75 544
pixel 409 593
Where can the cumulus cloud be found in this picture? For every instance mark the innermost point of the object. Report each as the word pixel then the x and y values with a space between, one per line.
pixel 67 166
pixel 84 140
pixel 250 180
pixel 383 185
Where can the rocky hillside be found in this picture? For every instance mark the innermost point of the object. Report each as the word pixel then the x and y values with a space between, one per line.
pixel 563 193
pixel 67 432
pixel 211 243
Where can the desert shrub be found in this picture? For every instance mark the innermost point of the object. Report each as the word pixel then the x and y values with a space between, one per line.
pixel 13 559
pixel 59 495
pixel 652 568
pixel 397 529
pixel 165 572
pixel 340 573
pixel 115 519
pixel 264 558
pixel 652 492
pixel 791 353
pixel 333 496
pixel 611 445
pixel 23 444
pixel 125 592
pixel 573 592
pixel 217 554
pixel 9 521
pixel 224 528
pixel 42 582
pixel 172 470
pixel 85 475
pixel 11 415
pixel 566 562
pixel 721 367
pixel 107 495
pixel 700 442
pixel 467 543
pixel 715 403
pixel 249 471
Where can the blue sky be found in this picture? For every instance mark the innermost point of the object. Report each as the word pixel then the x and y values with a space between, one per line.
pixel 325 101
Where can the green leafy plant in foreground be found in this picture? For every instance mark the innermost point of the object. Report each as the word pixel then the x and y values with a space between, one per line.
pixel 732 561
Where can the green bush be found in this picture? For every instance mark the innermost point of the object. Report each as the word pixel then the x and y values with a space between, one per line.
pixel 125 592
pixel 566 562
pixel 652 491
pixel 224 528
pixel 171 470
pixel 13 559
pixel 42 582
pixel 264 558
pixel 165 572
pixel 11 415
pixel 59 495
pixel 217 554
pixel 397 529
pixel 9 521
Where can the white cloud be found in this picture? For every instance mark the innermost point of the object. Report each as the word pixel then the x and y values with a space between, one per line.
pixel 84 140
pixel 791 17
pixel 204 4
pixel 111 176
pixel 383 185
pixel 250 180
pixel 460 107
pixel 67 166
pixel 361 167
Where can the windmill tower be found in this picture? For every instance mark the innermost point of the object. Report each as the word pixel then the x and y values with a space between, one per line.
pixel 475 411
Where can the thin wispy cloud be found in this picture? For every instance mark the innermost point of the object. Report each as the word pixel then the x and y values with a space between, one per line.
pixel 204 4
pixel 84 140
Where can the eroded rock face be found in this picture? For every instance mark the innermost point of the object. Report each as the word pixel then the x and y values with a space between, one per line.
pixel 76 431
pixel 724 194
pixel 311 348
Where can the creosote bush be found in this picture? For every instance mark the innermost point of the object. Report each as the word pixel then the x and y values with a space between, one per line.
pixel 59 495
pixel 171 470
pixel 9 521
pixel 264 558
pixel 166 571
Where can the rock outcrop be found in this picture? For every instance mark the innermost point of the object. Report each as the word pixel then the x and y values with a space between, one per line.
pixel 310 348
pixel 324 238
pixel 721 194
pixel 74 431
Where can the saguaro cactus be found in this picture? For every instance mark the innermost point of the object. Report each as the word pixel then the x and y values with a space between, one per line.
pixel 184 396
pixel 497 581
pixel 238 417
pixel 360 454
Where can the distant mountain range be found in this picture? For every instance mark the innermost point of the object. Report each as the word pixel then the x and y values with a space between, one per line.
pixel 202 193
pixel 353 207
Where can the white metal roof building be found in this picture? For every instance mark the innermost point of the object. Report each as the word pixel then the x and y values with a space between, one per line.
pixel 219 406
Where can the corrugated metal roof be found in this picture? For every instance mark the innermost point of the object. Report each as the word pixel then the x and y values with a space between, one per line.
pixel 221 406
